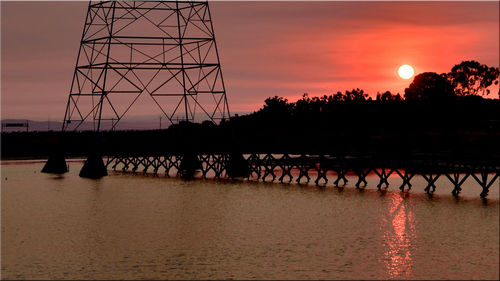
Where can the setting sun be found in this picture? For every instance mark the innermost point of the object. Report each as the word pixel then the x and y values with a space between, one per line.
pixel 405 71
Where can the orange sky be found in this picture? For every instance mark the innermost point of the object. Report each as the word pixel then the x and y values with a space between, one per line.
pixel 266 48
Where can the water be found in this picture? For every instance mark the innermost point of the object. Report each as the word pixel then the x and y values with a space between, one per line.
pixel 128 226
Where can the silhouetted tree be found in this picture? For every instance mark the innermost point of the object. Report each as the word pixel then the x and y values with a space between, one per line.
pixel 388 96
pixel 338 97
pixel 430 87
pixel 472 78
pixel 356 95
pixel 277 105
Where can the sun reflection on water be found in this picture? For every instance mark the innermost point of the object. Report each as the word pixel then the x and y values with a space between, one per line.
pixel 398 237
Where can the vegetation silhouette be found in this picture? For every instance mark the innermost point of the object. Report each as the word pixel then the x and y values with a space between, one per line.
pixel 430 87
pixel 456 123
pixel 388 96
pixel 472 78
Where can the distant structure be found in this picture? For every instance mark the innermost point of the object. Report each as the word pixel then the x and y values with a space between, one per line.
pixel 164 51
pixel 22 124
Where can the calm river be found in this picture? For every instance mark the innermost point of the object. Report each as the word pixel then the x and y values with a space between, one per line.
pixel 134 226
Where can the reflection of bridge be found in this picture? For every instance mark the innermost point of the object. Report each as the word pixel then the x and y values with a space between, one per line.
pixel 280 166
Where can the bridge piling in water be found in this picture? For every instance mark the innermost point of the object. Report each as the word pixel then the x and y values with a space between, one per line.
pixel 483 181
pixel 457 182
pixel 279 167
pixel 406 177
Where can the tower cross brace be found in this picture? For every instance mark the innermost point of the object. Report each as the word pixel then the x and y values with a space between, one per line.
pixel 163 52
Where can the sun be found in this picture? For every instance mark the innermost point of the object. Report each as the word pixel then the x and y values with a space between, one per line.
pixel 405 71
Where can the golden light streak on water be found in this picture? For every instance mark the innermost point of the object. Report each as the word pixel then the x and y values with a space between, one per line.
pixel 399 236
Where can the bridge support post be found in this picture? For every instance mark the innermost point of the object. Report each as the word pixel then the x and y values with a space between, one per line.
pixel 406 177
pixel 483 181
pixel 322 170
pixel 362 173
pixel 431 181
pixel 341 172
pixel 269 164
pixel 457 182
pixel 383 175
pixel 286 168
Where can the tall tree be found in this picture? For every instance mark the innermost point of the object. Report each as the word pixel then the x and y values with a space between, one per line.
pixel 472 78
pixel 430 87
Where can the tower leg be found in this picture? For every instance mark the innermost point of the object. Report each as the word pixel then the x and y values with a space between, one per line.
pixel 94 167
pixel 237 166
pixel 189 165
pixel 56 164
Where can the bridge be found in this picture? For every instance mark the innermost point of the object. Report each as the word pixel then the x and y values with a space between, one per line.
pixel 174 61
pixel 278 167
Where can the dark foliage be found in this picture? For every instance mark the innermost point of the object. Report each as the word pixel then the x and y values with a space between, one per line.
pixel 432 119
pixel 388 96
pixel 430 87
pixel 472 78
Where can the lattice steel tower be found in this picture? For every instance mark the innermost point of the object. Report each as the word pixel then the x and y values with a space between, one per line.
pixel 164 51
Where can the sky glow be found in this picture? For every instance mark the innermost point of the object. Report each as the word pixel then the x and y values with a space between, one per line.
pixel 266 48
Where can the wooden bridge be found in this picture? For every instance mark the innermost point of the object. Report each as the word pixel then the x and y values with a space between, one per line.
pixel 272 167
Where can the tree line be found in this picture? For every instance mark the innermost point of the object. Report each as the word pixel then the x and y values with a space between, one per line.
pixel 469 80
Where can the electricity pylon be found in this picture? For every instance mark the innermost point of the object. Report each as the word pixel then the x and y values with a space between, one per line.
pixel 161 51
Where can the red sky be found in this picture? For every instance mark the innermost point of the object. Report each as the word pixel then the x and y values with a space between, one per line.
pixel 266 48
